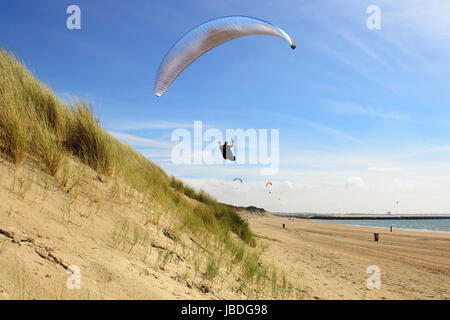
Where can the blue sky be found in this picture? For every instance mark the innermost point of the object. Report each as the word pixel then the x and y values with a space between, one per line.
pixel 364 115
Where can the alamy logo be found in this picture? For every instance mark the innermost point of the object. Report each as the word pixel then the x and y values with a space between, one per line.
pixel 374 280
pixel 74 280
pixel 374 20
pixel 250 147
pixel 74 20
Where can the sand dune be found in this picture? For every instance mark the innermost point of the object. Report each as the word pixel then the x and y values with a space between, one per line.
pixel 43 232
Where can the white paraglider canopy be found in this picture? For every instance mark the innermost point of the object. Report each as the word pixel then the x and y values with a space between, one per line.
pixel 207 36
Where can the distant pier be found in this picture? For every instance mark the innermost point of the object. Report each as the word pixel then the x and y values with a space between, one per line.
pixel 352 216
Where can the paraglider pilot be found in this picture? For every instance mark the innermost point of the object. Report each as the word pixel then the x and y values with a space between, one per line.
pixel 225 148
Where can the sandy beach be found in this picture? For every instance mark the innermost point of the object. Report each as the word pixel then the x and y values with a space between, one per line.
pixel 331 260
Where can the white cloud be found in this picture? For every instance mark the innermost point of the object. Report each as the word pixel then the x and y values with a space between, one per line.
pixel 139 141
pixel 154 125
pixel 413 197
pixel 355 109
pixel 152 153
pixel 331 131
pixel 424 151
pixel 324 182
pixel 383 169
pixel 355 182
pixel 318 126
pixel 402 184
pixel 361 45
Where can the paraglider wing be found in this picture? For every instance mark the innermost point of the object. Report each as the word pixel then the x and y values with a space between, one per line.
pixel 207 36
pixel 238 179
pixel 268 183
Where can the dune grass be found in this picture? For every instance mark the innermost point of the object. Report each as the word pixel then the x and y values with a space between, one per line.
pixel 13 131
pixel 88 141
pixel 214 214
pixel 47 148
pixel 38 125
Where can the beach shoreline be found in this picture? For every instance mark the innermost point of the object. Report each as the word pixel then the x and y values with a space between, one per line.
pixel 331 260
pixel 382 227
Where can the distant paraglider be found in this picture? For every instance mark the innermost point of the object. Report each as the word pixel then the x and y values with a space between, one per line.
pixel 238 179
pixel 204 38
pixel 279 195
pixel 269 183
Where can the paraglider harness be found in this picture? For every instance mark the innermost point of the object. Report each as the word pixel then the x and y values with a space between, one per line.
pixel 224 151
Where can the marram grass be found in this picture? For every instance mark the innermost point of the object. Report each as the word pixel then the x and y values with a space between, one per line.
pixel 35 123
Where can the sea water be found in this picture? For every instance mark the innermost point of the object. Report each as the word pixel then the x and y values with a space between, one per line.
pixel 441 225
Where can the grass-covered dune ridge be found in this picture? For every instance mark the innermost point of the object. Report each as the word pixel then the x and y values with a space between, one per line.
pixel 37 124
pixel 49 149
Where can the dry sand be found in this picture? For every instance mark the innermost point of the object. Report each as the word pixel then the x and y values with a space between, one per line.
pixel 332 260
pixel 44 230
